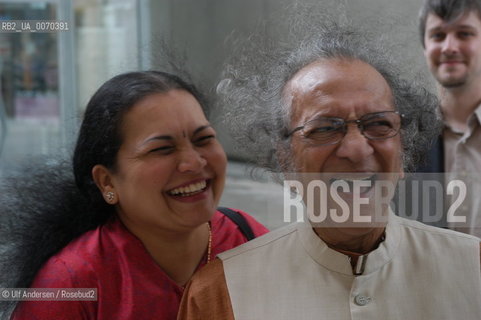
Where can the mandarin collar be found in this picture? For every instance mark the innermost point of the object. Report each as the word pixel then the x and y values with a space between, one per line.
pixel 337 262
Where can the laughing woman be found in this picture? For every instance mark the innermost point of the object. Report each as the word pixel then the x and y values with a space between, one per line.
pixel 149 173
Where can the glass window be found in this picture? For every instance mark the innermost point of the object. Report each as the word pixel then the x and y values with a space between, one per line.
pixel 46 79
pixel 106 42
pixel 29 84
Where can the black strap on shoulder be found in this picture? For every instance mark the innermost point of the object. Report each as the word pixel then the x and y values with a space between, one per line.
pixel 239 220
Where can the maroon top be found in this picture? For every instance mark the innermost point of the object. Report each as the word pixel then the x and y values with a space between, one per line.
pixel 130 285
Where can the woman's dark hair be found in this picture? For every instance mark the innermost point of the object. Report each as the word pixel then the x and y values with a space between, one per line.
pixel 100 135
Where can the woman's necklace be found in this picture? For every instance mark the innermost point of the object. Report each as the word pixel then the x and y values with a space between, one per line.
pixel 209 245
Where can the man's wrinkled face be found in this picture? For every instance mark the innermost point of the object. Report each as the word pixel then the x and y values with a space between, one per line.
pixel 453 49
pixel 347 90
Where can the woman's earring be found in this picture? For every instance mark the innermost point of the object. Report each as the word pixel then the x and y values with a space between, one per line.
pixel 110 196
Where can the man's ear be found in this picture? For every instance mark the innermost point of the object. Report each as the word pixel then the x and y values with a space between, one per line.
pixel 104 180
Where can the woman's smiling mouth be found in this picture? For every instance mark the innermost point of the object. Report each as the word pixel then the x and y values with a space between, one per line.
pixel 190 189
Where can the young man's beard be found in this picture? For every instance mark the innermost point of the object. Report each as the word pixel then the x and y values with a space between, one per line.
pixel 450 83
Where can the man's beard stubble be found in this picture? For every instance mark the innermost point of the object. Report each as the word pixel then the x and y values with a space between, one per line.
pixel 452 83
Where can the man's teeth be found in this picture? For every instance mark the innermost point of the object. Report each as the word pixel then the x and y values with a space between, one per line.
pixel 191 188
pixel 351 180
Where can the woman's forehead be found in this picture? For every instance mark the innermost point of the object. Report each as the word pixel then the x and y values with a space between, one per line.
pixel 175 112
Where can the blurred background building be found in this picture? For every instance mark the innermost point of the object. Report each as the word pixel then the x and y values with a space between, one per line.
pixel 47 78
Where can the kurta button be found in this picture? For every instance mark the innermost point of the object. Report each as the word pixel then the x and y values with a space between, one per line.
pixel 362 300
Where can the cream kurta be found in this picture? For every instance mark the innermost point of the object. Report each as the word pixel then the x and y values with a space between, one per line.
pixel 418 272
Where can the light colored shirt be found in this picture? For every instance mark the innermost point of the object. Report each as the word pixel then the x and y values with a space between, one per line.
pixel 462 160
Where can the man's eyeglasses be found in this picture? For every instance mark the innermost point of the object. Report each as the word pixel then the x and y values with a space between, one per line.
pixel 330 130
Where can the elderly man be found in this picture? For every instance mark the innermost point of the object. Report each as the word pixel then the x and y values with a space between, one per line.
pixel 451 36
pixel 334 105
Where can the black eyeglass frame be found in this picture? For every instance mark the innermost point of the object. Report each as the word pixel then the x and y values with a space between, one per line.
pixel 358 122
